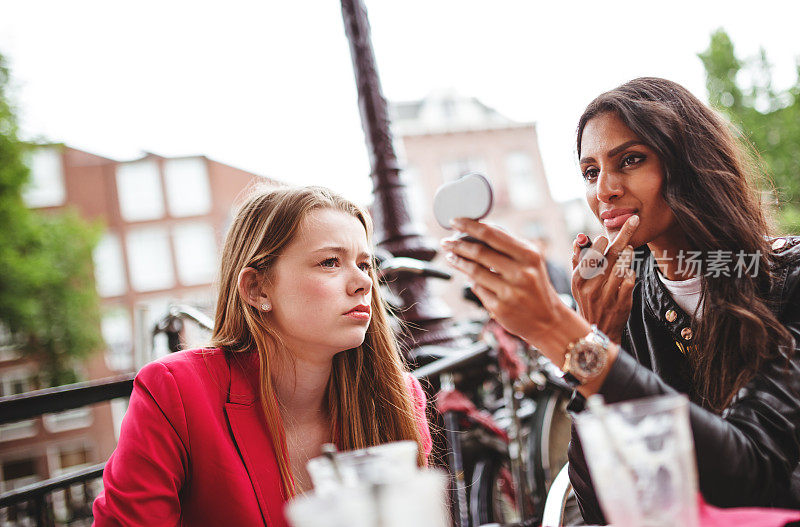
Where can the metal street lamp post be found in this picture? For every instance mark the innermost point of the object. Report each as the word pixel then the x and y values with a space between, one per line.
pixel 428 318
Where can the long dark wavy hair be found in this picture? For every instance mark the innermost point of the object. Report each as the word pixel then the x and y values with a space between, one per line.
pixel 710 185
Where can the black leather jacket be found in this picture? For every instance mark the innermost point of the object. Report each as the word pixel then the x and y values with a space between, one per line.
pixel 749 455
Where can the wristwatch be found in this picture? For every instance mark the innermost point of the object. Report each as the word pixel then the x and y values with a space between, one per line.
pixel 586 358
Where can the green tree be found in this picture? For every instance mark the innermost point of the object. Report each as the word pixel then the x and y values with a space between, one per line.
pixel 768 118
pixel 48 303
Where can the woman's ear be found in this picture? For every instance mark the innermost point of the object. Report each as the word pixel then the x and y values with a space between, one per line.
pixel 251 288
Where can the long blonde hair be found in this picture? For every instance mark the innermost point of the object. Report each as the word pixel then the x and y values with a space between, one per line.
pixel 368 401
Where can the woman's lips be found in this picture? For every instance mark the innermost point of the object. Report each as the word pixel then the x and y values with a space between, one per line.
pixel 358 315
pixel 360 312
pixel 617 221
pixel 615 218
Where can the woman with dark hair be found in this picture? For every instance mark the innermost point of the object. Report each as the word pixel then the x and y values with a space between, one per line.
pixel 709 308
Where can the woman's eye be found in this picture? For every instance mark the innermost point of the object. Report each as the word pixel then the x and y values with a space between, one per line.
pixel 632 159
pixel 590 174
pixel 366 266
pixel 329 262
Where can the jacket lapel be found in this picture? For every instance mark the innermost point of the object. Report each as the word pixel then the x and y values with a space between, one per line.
pixel 249 431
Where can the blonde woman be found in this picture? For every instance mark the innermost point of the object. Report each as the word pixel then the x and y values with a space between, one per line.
pixel 302 355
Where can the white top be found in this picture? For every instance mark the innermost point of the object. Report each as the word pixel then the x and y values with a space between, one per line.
pixel 686 293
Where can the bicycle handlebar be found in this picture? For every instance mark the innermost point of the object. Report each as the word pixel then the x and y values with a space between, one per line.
pixel 402 264
pixel 197 316
pixel 453 362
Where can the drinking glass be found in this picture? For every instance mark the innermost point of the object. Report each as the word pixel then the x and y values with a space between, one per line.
pixel 379 486
pixel 641 458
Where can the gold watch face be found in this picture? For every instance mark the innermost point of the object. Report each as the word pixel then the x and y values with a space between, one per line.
pixel 589 359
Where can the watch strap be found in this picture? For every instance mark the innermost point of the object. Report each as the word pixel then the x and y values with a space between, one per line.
pixel 571 380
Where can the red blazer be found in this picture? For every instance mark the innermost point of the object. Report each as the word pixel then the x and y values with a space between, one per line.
pixel 194 447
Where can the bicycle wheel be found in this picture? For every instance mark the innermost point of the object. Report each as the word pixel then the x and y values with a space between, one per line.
pixel 548 441
pixel 493 498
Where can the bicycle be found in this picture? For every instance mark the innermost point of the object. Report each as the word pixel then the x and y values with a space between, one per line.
pixel 503 413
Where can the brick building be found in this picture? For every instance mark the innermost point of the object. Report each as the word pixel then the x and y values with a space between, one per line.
pixel 445 136
pixel 164 220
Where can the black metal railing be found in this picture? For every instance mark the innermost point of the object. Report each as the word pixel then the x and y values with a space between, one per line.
pixel 33 404
pixel 37 503
pixel 66 499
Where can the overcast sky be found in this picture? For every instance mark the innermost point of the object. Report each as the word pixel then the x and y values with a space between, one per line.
pixel 268 86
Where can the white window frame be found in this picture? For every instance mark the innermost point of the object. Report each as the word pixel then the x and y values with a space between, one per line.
pixel 140 192
pixel 110 247
pixel 167 280
pixel 8 348
pixel 524 189
pixel 72 419
pixel 8 376
pixel 115 361
pixel 46 187
pixel 183 258
pixel 18 430
pixel 177 182
pixel 54 458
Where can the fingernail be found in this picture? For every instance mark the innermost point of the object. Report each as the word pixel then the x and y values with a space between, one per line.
pixel 447 243
pixel 635 221
pixel 451 258
pixel 582 239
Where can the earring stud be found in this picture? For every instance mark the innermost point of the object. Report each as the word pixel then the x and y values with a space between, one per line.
pixel 265 306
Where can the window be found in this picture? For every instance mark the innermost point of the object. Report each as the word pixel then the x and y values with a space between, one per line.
pixel 46 186
pixel 109 269
pixel 18 472
pixel 139 189
pixel 195 252
pixel 523 188
pixel 188 192
pixel 17 380
pixel 68 420
pixel 18 430
pixel 458 167
pixel 117 331
pixel 17 386
pixel 8 348
pixel 448 109
pixel 74 456
pixel 67 458
pixel 149 259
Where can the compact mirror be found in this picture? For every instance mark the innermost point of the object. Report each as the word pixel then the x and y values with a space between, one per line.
pixel 469 196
